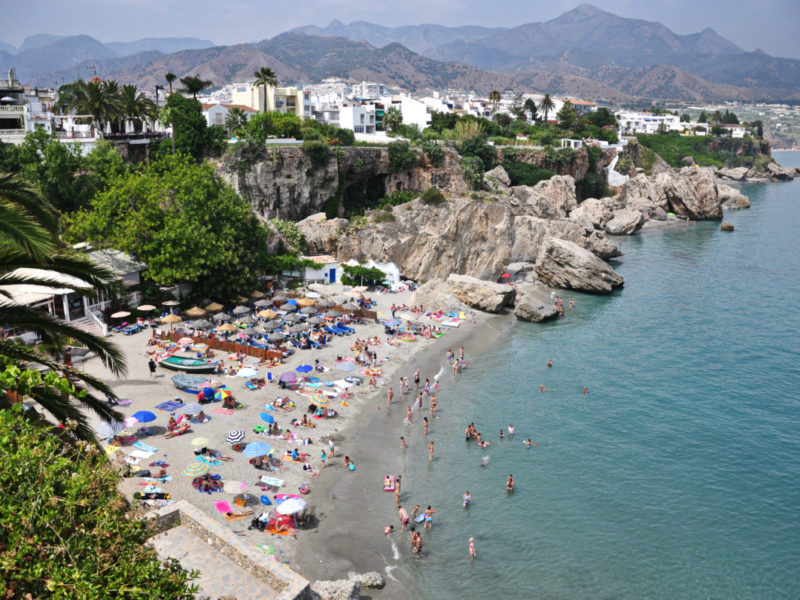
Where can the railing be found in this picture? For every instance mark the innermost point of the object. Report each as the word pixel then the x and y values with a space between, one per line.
pixel 142 135
pixel 216 344
pixel 99 322
pixel 75 135
pixel 13 108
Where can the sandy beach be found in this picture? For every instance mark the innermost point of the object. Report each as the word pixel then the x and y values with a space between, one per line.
pixel 346 429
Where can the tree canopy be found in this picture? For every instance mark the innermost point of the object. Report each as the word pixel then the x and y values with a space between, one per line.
pixel 359 275
pixel 183 221
pixel 191 134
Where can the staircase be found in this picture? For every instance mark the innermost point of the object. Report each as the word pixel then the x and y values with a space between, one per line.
pixel 87 324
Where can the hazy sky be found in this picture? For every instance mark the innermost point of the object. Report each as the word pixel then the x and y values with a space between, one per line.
pixel 767 24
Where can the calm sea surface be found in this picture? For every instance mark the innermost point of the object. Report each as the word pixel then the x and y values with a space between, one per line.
pixel 678 475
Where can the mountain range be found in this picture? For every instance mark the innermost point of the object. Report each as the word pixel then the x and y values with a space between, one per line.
pixel 585 52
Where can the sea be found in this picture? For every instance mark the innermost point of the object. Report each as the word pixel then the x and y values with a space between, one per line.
pixel 677 475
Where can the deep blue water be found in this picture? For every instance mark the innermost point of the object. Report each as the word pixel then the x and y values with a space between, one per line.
pixel 678 475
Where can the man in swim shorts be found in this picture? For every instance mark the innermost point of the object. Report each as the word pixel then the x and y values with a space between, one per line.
pixel 404 518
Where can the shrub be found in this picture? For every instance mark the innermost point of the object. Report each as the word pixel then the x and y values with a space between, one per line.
pixel 477 147
pixel 410 132
pixel 521 173
pixel 433 197
pixel 434 154
pixel 291 233
pixel 472 167
pixel 317 151
pixel 345 137
pixel 310 133
pixel 397 198
pixel 383 216
pixel 509 155
pixel 401 157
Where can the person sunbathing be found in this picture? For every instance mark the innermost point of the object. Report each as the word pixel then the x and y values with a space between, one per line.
pixel 180 430
pixel 230 402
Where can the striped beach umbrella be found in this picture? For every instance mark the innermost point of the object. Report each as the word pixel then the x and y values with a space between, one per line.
pixel 196 469
pixel 235 436
pixel 191 409
pixel 320 400
pixel 222 394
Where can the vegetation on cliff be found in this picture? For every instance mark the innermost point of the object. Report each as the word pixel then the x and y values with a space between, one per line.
pixel 707 151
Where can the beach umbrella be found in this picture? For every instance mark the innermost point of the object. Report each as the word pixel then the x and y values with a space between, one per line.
pixel 195 311
pixel 200 347
pixel 247 372
pixel 185 341
pixel 241 310
pixel 245 332
pixel 234 487
pixel 146 307
pixel 227 327
pixel 292 301
pixel 172 319
pixel 222 394
pixel 278 299
pixel 346 366
pixel 254 449
pixel 235 436
pixel 312 295
pixel 320 400
pixel 306 302
pixel 256 294
pixel 324 303
pixel 171 303
pixel 130 422
pixel 288 307
pixel 121 314
pixel 196 469
pixel 308 310
pixel 298 328
pixel 214 307
pixel 273 324
pixel 267 417
pixel 199 441
pixel 304 368
pixel 276 337
pixel 350 306
pixel 333 314
pixel 267 314
pixel 192 409
pixel 202 324
pixel 221 316
pixel 291 506
pixel 247 320
pixel 262 303
pixel 288 377
pixel 260 329
pixel 394 322
pixel 144 416
pixel 315 320
pixel 292 318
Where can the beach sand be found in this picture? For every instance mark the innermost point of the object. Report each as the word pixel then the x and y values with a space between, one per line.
pixel 178 452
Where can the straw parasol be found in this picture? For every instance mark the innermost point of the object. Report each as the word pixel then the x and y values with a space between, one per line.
pixel 195 311
pixel 288 307
pixel 262 303
pixel 308 310
pixel 171 303
pixel 267 314
pixel 121 314
pixel 291 318
pixel 146 307
pixel 241 310
pixel 276 324
pixel 256 294
pixel 201 324
pixel 306 302
pixel 278 299
pixel 227 327
pixel 172 319
pixel 325 303
pixel 214 307
pixel 333 314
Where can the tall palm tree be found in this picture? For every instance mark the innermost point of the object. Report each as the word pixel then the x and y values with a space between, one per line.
pixel 135 106
pixel 494 98
pixel 265 77
pixel 170 77
pixel 100 101
pixel 236 119
pixel 32 254
pixel 546 105
pixel 530 107
pixel 193 85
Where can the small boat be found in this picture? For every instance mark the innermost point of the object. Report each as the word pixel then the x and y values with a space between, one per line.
pixel 188 383
pixel 190 365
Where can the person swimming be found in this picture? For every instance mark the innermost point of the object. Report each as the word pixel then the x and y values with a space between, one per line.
pixel 467 499
pixel 510 483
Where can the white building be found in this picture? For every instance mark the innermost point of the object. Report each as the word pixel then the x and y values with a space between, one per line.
pixel 414 111
pixel 358 118
pixel 368 91
pixel 216 114
pixel 324 272
pixel 273 99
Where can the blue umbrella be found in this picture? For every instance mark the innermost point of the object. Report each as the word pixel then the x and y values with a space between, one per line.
pixel 346 366
pixel 394 322
pixel 292 301
pixel 304 368
pixel 267 418
pixel 208 392
pixel 144 416
pixel 254 449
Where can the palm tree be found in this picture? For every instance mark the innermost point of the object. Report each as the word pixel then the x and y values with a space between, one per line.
pixel 193 85
pixel 265 77
pixel 546 105
pixel 494 98
pixel 530 107
pixel 100 101
pixel 170 77
pixel 235 120
pixel 135 106
pixel 31 254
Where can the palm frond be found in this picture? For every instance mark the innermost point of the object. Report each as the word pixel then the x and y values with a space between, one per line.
pixel 15 189
pixel 94 277
pixel 21 231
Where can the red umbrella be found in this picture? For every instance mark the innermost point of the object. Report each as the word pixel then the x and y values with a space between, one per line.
pixel 505 275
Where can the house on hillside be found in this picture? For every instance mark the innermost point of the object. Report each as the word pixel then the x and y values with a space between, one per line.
pixel 324 272
pixel 216 114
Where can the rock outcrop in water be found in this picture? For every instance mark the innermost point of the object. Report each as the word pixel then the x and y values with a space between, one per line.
pixel 535 304
pixel 564 264
pixel 480 294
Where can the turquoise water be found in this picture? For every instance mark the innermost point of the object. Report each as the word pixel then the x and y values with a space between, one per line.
pixel 678 475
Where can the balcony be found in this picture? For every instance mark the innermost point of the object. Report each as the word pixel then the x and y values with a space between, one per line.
pixel 8 110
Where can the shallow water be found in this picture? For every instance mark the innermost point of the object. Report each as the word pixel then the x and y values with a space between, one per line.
pixel 676 476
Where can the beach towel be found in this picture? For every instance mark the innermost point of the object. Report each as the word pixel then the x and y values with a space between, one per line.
pixel 140 454
pixel 152 489
pixel 265 548
pixel 222 506
pixel 146 447
pixel 273 531
pixel 111 449
pixel 154 480
pixel 209 461
pixel 224 411
pixel 125 401
pixel 170 406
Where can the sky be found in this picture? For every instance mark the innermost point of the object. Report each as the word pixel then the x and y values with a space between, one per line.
pixel 770 25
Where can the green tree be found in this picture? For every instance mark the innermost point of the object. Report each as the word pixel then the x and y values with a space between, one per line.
pixel 473 169
pixel 401 157
pixel 82 540
pixel 265 77
pixel 434 153
pixel 135 106
pixel 194 85
pixel 703 118
pixel 530 108
pixel 359 274
pixel 190 132
pixel 494 98
pixel 392 118
pixel 686 118
pixel 518 107
pixel 236 121
pixel 441 121
pixel 32 254
pixel 568 117
pixel 170 77
pixel 478 147
pixel 602 117
pixel 98 99
pixel 546 105
pixel 183 221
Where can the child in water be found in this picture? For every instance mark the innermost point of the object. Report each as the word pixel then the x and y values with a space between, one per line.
pixel 472 553
pixel 467 499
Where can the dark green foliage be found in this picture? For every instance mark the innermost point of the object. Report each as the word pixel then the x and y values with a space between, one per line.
pixel 344 136
pixel 66 530
pixel 397 198
pixel 361 275
pixel 317 151
pixel 727 152
pixel 311 133
pixel 478 148
pixel 601 117
pixel 433 197
pixel 401 157
pixel 434 153
pixel 190 131
pixel 593 185
pixel 472 167
pixel 508 155
pixel 410 132
pixel 441 121
pixel 291 233
pixel 522 173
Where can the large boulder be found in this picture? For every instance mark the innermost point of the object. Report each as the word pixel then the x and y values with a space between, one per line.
pixel 321 234
pixel 530 233
pixel 559 191
pixel 737 174
pixel 522 272
pixel 692 193
pixel 372 580
pixel 532 202
pixel 496 180
pixel 535 304
pixel 779 173
pixel 483 295
pixel 625 222
pixel 565 264
pixel 435 294
pixel 340 589
pixel 648 208
pixel 642 186
pixel 732 198
pixel 599 212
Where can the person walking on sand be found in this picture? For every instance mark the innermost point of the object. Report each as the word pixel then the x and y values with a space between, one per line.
pixel 409 415
pixel 416 380
pixel 403 518
pixel 424 425
pixel 323 458
pixel 152 366
pixel 430 452
pixel 403 442
pixel 472 554
pixel 389 396
pixel 331 447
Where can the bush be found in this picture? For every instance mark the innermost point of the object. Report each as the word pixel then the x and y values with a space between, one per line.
pixel 472 167
pixel 383 216
pixel 310 133
pixel 522 173
pixel 397 198
pixel 345 137
pixel 433 197
pixel 509 155
pixel 290 233
pixel 478 148
pixel 410 132
pixel 434 154
pixel 317 151
pixel 401 157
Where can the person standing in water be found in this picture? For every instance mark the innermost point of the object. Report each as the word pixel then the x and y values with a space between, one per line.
pixel 403 442
pixel 425 425
pixel 389 396
pixel 416 380
pixel 510 483
pixel 467 499
pixel 511 432
pixel 472 553
pixel 430 452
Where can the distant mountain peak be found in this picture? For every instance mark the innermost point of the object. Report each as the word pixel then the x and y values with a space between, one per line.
pixel 335 23
pixel 583 11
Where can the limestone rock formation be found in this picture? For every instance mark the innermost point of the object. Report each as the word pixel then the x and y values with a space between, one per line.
pixel 340 589
pixel 737 173
pixel 435 294
pixel 599 212
pixel 692 193
pixel 564 264
pixel 535 304
pixel 322 235
pixel 625 222
pixel 559 191
pixel 779 173
pixel 483 295
pixel 648 208
pixel 726 226
pixel 496 180
pixel 732 198
pixel 642 186
pixel 530 232
pixel 523 272
pixel 372 580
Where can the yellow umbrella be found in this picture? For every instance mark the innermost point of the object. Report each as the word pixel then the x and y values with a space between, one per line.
pixel 267 314
pixel 306 302
pixel 195 311
pixel 256 294
pixel 227 327
pixel 214 307
pixel 172 319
